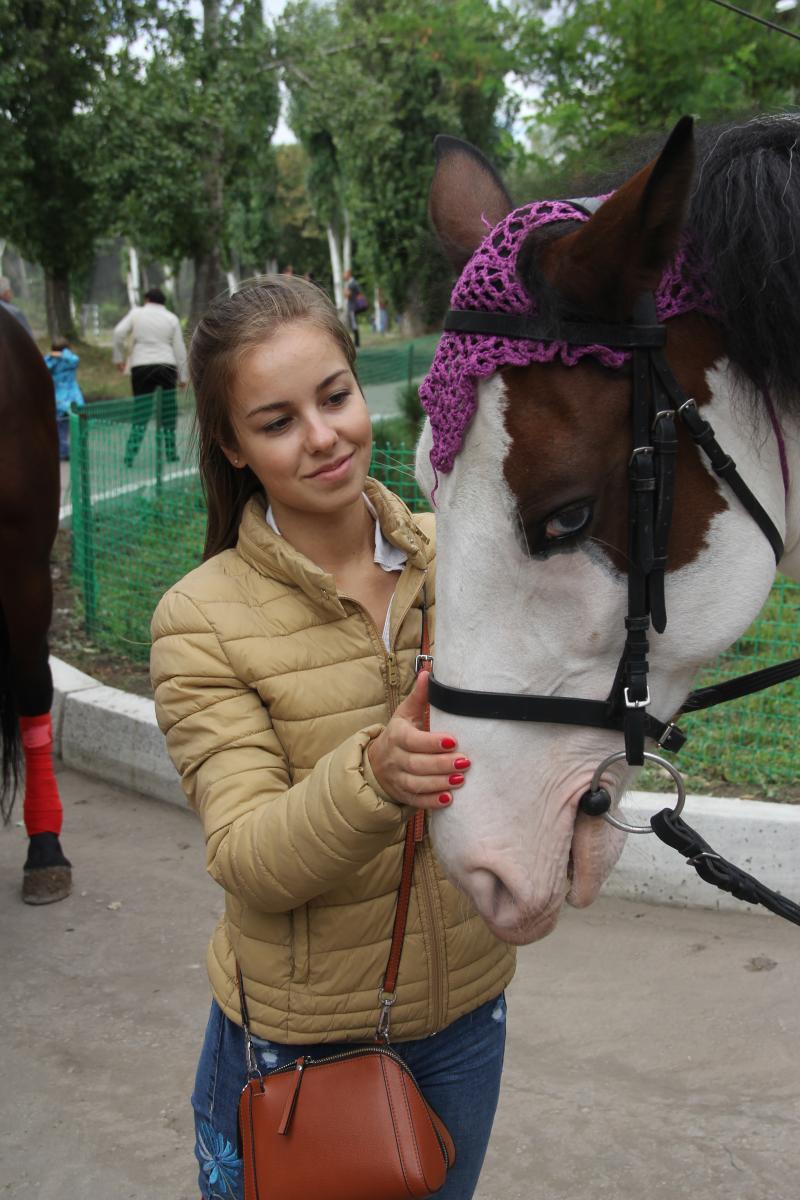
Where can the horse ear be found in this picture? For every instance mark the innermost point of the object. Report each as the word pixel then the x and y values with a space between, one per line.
pixel 623 249
pixel 467 198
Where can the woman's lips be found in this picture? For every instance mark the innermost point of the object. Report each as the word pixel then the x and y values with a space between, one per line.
pixel 335 470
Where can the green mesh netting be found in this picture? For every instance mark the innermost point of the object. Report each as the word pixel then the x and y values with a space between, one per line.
pixel 138 528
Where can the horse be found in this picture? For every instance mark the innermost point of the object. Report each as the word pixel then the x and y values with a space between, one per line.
pixel 29 500
pixel 579 526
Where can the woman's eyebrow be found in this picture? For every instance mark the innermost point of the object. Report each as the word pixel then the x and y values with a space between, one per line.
pixel 261 408
pixel 276 404
pixel 326 382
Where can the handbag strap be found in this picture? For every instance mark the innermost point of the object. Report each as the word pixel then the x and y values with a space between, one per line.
pixel 415 831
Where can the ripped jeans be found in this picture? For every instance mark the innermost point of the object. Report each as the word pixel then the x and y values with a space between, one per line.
pixel 457 1069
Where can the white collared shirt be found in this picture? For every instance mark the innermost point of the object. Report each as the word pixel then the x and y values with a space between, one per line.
pixel 387 556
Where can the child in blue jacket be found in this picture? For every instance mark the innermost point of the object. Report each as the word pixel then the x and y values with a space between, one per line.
pixel 63 365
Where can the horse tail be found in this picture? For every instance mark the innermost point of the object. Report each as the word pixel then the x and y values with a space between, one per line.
pixel 10 742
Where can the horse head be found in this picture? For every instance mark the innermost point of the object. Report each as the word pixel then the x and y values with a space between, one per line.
pixel 526 453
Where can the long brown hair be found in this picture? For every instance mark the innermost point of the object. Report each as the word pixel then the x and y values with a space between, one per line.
pixel 231 327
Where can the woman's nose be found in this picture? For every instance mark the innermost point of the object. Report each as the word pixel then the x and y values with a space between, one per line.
pixel 320 435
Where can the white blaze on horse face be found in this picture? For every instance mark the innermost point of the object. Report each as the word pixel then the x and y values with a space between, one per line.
pixel 508 622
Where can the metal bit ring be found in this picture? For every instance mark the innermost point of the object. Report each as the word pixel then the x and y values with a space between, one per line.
pixel 653 758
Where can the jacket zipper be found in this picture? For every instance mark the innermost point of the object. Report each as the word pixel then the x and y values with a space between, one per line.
pixel 426 877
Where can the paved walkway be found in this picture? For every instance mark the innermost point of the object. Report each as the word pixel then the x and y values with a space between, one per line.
pixel 652 1052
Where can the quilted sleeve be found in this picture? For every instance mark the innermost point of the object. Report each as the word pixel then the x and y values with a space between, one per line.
pixel 272 845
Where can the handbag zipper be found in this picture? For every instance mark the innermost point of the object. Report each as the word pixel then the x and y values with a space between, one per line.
pixel 306 1062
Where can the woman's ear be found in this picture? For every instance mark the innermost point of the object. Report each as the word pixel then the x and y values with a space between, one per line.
pixel 233 456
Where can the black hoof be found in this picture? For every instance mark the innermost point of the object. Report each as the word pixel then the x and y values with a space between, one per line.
pixel 47 875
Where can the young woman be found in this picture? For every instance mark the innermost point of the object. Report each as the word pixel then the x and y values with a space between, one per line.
pixel 284 678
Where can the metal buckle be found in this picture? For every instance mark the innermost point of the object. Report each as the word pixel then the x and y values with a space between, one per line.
pixel 686 404
pixel 386 1000
pixel 636 703
pixel 640 450
pixel 420 659
pixel 663 412
pixel 708 855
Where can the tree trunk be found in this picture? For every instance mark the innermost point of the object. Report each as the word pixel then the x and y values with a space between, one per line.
pixel 336 267
pixel 347 248
pixel 59 313
pixel 412 322
pixel 132 282
pixel 209 274
pixel 209 281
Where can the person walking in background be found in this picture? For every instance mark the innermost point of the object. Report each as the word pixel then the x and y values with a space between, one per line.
pixel 157 359
pixel 5 300
pixel 62 364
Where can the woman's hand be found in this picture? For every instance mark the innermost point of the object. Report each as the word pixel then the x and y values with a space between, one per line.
pixel 412 765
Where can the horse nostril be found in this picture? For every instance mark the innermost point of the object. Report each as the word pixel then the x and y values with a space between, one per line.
pixel 491 896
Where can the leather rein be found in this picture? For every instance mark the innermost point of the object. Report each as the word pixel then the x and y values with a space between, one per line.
pixel 658 402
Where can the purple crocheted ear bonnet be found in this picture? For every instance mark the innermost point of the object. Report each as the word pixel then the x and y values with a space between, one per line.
pixel 489 281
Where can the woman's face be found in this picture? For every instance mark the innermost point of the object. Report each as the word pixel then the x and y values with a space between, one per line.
pixel 301 422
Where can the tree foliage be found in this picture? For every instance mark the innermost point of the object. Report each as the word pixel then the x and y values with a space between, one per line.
pixel 53 57
pixel 371 85
pixel 187 143
pixel 299 239
pixel 609 70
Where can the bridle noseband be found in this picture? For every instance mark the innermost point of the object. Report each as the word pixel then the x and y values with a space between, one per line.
pixel 658 403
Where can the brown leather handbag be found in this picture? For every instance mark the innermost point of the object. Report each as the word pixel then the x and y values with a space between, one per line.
pixel 349 1126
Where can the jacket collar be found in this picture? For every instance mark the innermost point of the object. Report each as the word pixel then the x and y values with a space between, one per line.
pixel 272 555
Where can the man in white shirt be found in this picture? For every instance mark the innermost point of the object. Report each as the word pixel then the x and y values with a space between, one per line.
pixel 157 359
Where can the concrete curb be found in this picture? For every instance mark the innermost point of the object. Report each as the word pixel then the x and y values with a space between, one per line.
pixel 113 735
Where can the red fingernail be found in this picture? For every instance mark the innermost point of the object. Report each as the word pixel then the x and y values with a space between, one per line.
pixel 455 779
pixel 448 743
pixel 445 798
pixel 461 764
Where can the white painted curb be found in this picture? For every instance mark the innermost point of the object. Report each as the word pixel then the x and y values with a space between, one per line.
pixel 113 735
pixel 760 837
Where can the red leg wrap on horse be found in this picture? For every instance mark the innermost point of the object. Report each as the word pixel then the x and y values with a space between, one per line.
pixel 42 810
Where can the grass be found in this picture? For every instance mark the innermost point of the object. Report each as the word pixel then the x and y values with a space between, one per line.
pixel 747 747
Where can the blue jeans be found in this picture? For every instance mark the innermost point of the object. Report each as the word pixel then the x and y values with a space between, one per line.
pixel 457 1069
pixel 62 425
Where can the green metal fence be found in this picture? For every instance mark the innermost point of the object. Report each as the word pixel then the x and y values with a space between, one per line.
pixel 396 364
pixel 139 528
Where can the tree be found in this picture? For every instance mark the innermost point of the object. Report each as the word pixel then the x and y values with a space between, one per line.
pixel 187 146
pixel 299 238
pixel 53 54
pixel 371 85
pixel 609 70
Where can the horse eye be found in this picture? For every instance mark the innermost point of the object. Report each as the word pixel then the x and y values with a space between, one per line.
pixel 568 522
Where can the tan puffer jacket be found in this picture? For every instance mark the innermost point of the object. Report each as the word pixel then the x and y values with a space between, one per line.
pixel 269 687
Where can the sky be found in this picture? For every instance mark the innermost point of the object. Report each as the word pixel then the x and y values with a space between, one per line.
pixel 283 134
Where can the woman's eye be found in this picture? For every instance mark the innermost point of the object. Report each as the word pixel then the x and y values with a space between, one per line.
pixel 277 426
pixel 567 522
pixel 338 399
